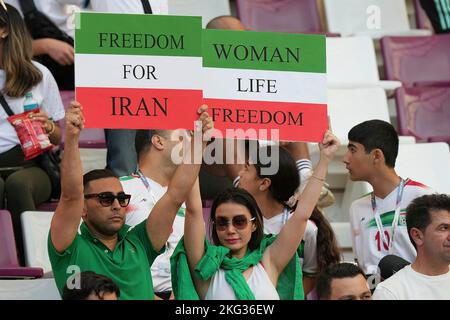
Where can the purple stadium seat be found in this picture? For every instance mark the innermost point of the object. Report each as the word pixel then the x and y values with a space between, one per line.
pixel 47 206
pixel 67 96
pixel 9 264
pixel 417 60
pixel 91 138
pixel 279 16
pixel 424 112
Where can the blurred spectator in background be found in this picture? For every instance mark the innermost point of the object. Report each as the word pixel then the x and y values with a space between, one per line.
pixel 439 14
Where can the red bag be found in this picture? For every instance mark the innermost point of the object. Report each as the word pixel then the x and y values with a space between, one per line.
pixel 31 135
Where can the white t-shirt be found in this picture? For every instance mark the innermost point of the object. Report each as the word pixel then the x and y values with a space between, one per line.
pixel 141 203
pixel 47 95
pixel 56 10
pixel 368 245
pixel 258 282
pixel 408 284
pixel 129 6
pixel 309 261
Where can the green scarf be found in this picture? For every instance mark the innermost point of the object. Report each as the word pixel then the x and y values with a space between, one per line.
pixel 289 286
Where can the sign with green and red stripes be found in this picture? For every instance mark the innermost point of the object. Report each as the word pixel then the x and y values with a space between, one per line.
pixel 258 81
pixel 138 71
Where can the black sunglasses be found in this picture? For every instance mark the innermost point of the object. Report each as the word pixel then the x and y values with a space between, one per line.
pixel 239 222
pixel 106 199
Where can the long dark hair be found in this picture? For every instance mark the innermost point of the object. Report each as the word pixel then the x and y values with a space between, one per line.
pixel 327 248
pixel 283 185
pixel 286 179
pixel 20 73
pixel 242 197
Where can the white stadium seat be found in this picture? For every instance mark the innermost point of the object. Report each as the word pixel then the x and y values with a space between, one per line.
pixel 36 226
pixel 351 63
pixel 375 18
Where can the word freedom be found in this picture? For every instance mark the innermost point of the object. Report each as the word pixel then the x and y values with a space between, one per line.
pixel 257 116
pixel 140 40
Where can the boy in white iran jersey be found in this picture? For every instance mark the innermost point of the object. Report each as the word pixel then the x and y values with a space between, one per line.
pixel 147 186
pixel 378 219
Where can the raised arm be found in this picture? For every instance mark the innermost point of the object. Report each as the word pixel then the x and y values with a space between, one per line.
pixel 283 248
pixel 160 221
pixel 194 236
pixel 67 216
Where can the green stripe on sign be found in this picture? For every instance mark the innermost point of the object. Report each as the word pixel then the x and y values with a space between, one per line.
pixel 264 51
pixel 138 34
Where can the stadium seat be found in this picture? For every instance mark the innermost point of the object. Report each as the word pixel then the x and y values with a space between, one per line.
pixel 279 16
pixel 47 206
pixel 351 63
pixel 9 264
pixel 207 9
pixel 427 163
pixel 23 289
pixel 36 226
pixel 67 96
pixel 346 108
pixel 343 234
pixel 375 18
pixel 417 60
pixel 424 112
pixel 91 138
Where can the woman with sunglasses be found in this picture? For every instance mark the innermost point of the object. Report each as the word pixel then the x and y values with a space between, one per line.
pixel 26 185
pixel 272 192
pixel 243 264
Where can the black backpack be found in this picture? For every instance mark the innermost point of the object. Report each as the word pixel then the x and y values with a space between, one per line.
pixel 39 25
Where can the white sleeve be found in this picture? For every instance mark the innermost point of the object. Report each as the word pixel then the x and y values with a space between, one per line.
pixel 52 102
pixel 382 293
pixel 310 267
pixel 354 228
pixel 304 167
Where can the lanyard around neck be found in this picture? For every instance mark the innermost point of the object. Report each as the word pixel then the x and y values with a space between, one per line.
pixel 380 228
pixel 285 216
pixel 146 184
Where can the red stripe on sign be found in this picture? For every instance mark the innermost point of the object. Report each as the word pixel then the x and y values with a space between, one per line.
pixel 123 108
pixel 295 121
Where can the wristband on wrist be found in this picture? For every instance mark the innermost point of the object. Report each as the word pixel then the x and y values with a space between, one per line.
pixel 313 176
pixel 52 129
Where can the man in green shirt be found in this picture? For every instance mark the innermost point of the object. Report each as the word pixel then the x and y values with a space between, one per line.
pixel 106 245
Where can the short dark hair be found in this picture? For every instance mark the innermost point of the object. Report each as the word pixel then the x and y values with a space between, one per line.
pixel 97 174
pixel 143 140
pixel 418 212
pixel 242 197
pixel 377 134
pixel 286 180
pixel 335 271
pixel 91 282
